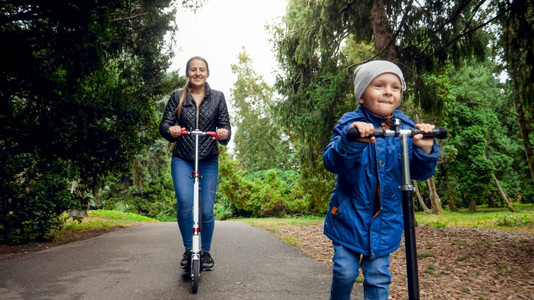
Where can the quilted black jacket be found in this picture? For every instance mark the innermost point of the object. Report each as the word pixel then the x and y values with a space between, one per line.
pixel 213 115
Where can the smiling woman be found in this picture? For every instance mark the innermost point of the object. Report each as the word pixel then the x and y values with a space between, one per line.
pixel 196 107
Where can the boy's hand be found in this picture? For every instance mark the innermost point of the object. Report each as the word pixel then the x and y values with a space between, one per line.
pixel 364 129
pixel 419 141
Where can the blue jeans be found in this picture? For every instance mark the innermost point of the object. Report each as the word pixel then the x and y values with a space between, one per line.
pixel 345 271
pixel 183 187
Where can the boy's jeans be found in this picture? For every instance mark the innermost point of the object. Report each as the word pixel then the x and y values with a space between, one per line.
pixel 183 186
pixel 346 268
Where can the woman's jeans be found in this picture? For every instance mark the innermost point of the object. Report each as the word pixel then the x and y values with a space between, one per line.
pixel 346 267
pixel 183 187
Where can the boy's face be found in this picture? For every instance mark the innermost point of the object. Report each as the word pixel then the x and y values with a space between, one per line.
pixel 382 96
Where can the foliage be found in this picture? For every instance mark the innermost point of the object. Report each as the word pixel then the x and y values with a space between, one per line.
pixel 262 194
pixel 147 188
pixel 481 142
pixel 223 208
pixel 515 50
pixel 77 89
pixel 515 221
pixel 259 142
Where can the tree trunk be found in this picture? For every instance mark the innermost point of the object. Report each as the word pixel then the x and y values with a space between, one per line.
pixel 503 195
pixel 382 31
pixel 524 134
pixel 491 201
pixel 434 197
pixel 473 205
pixel 452 202
pixel 420 199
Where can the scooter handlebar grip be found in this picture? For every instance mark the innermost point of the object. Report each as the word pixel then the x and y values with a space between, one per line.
pixel 442 133
pixel 438 133
pixel 353 133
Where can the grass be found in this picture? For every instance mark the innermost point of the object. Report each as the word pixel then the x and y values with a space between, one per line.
pixel 102 219
pixel 272 224
pixel 491 218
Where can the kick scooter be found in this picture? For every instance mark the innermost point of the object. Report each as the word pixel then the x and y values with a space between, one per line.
pixel 407 193
pixel 194 265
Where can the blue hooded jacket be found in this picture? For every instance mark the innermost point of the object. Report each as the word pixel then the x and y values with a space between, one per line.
pixel 367 171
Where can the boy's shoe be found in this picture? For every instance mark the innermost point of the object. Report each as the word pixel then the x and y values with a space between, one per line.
pixel 207 261
pixel 187 253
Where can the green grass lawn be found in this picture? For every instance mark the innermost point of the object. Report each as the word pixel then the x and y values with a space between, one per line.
pixel 492 218
pixel 102 219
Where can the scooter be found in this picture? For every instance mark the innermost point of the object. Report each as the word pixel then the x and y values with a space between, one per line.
pixel 194 264
pixel 407 193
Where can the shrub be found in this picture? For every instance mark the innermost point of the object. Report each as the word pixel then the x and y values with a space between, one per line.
pixel 264 193
pixel 514 221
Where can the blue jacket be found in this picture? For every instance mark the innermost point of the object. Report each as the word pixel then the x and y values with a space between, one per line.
pixel 361 169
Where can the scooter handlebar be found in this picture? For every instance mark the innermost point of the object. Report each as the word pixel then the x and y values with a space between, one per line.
pixel 198 132
pixel 438 133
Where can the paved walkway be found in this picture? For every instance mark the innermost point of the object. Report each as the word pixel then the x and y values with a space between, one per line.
pixel 142 262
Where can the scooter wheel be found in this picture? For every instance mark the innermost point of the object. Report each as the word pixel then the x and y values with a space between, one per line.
pixel 195 274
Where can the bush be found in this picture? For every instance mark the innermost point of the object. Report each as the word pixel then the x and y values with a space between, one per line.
pixel 514 221
pixel 33 203
pixel 264 193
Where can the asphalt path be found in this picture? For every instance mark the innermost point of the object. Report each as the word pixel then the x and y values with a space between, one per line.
pixel 142 262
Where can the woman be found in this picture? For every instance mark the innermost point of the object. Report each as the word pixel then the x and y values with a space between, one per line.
pixel 196 106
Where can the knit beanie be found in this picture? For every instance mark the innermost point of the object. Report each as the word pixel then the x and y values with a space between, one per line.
pixel 364 74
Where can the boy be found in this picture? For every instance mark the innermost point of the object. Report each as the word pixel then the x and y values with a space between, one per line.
pixel 364 218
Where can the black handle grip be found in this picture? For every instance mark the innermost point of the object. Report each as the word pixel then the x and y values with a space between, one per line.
pixel 353 133
pixel 438 133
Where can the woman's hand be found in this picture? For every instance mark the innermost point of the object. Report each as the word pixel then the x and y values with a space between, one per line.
pixel 175 131
pixel 418 140
pixel 222 134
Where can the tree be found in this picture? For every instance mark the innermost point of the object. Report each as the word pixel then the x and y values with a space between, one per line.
pixel 259 142
pixel 479 146
pixel 516 49
pixel 78 83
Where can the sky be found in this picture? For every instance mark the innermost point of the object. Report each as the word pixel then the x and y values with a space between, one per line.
pixel 219 30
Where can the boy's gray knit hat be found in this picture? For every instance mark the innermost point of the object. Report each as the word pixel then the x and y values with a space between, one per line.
pixel 364 74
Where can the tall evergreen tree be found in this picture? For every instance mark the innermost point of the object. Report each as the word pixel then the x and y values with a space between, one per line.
pixel 515 47
pixel 77 87
pixel 260 144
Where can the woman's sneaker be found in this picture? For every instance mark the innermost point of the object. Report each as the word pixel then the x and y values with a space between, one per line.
pixel 187 253
pixel 207 261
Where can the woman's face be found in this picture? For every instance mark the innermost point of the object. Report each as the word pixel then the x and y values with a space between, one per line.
pixel 197 73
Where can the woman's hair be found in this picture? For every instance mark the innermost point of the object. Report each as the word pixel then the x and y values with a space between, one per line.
pixel 187 85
